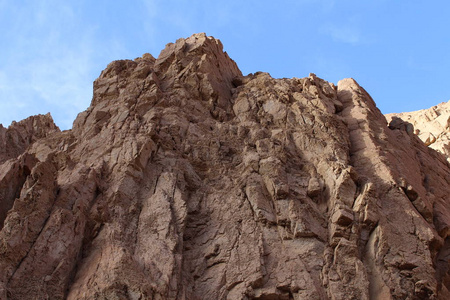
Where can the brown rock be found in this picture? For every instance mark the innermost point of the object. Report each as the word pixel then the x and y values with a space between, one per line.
pixel 186 180
pixel 17 137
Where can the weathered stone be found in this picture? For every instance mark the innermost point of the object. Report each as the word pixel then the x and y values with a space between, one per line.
pixel 16 138
pixel 185 179
pixel 431 125
pixel 314 187
pixel 342 216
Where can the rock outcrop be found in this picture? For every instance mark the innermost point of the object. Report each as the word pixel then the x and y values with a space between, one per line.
pixel 185 179
pixel 17 137
pixel 431 125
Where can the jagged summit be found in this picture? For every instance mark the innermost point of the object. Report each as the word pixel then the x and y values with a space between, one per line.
pixel 19 135
pixel 185 179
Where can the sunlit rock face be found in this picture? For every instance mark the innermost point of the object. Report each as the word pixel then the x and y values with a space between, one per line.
pixel 431 125
pixel 185 179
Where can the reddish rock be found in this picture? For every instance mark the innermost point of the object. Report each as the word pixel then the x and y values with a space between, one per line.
pixel 186 180
pixel 16 138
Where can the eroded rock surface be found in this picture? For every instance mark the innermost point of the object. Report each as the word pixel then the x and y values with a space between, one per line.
pixel 431 125
pixel 16 138
pixel 186 180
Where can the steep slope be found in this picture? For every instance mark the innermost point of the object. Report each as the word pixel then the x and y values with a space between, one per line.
pixel 432 125
pixel 186 180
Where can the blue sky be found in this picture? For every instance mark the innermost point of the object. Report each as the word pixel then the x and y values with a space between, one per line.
pixel 52 51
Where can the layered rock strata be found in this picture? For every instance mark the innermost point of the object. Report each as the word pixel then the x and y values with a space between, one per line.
pixel 185 179
pixel 431 125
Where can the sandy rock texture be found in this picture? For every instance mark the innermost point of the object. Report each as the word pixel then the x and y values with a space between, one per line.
pixel 186 180
pixel 431 125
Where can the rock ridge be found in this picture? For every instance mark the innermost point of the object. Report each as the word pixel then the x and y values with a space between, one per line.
pixel 185 179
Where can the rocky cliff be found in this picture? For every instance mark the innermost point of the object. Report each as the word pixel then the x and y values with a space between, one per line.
pixel 432 125
pixel 185 179
pixel 17 137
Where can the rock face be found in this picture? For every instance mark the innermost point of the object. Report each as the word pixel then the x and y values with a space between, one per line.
pixel 186 180
pixel 431 125
pixel 16 138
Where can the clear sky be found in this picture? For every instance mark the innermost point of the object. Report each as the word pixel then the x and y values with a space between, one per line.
pixel 51 50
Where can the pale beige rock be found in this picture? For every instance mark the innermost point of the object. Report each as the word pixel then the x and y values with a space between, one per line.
pixel 186 180
pixel 431 125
